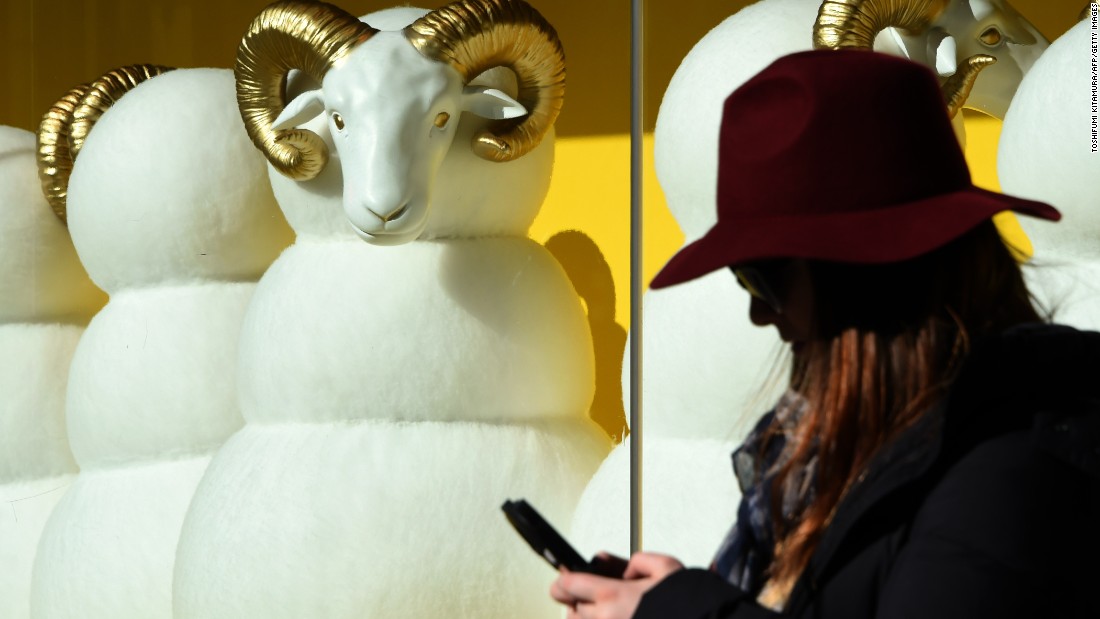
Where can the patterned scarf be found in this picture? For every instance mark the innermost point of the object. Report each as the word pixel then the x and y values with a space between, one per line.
pixel 748 549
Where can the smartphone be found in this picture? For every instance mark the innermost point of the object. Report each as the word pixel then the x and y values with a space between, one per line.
pixel 550 545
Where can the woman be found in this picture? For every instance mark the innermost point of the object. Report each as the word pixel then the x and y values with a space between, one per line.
pixel 938 451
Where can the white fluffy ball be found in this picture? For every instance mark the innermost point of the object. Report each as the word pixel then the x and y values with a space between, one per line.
pixel 1047 147
pixel 137 212
pixel 1047 152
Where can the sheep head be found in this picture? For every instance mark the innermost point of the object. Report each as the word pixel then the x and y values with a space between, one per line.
pixel 393 100
pixel 959 38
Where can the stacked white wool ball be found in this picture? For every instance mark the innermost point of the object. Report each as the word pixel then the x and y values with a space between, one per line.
pixel 171 213
pixel 46 299
pixel 704 363
pixel 1048 152
pixel 394 397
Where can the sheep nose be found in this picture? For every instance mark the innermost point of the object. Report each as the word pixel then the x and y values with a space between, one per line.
pixel 393 214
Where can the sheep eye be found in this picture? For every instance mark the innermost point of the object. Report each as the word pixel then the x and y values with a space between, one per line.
pixel 338 121
pixel 441 119
pixel 991 37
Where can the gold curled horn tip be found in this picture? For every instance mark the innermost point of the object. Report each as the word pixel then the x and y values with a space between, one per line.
pixel 292 34
pixel 55 161
pixel 473 36
pixel 855 23
pixel 1086 12
pixel 957 87
pixel 102 94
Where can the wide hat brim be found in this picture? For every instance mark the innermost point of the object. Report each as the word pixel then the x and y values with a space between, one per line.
pixel 881 235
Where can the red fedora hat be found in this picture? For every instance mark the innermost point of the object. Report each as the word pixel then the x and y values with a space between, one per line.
pixel 839 155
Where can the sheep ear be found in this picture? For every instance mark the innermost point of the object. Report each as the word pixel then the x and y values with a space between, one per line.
pixel 946 57
pixel 303 108
pixel 490 103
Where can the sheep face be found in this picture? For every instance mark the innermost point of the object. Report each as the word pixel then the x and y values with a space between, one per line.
pixel 970 27
pixel 392 115
pixel 387 105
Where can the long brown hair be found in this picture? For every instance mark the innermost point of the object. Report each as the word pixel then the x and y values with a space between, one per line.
pixel 888 342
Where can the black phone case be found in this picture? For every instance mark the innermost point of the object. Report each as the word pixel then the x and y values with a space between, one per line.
pixel 543 538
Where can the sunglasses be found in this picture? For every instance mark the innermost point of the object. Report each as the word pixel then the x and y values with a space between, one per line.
pixel 755 281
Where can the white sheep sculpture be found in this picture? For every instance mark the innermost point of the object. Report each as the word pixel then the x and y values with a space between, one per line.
pixel 397 391
pixel 170 211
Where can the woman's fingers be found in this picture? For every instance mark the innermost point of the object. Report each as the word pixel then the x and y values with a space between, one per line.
pixel 579 586
pixel 651 564
pixel 607 564
pixel 561 595
pixel 588 595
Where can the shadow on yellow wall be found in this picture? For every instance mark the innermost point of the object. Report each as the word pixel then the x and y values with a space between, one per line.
pixel 591 276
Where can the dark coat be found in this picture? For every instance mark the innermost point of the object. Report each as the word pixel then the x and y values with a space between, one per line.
pixel 988 507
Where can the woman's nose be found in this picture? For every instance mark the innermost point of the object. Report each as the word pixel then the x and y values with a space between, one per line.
pixel 760 314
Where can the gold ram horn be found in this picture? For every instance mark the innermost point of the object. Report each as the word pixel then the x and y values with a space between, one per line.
pixel 957 87
pixel 475 35
pixel 55 160
pixel 66 125
pixel 855 23
pixel 310 37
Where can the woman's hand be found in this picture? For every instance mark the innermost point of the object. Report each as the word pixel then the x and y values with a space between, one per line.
pixel 589 596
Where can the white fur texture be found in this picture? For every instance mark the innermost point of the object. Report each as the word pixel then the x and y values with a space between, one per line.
pixel 696 476
pixel 1045 153
pixel 378 519
pixel 155 375
pixel 34 366
pixel 602 518
pixel 169 189
pixel 487 329
pixel 109 546
pixel 706 366
pixel 24 508
pixel 41 278
pixel 170 209
pixel 36 466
